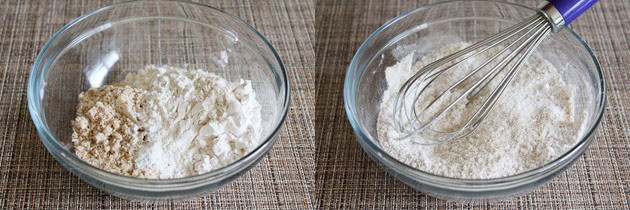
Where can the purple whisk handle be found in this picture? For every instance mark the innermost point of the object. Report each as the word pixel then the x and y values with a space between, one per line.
pixel 571 9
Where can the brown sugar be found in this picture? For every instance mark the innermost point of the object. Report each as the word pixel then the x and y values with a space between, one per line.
pixel 106 132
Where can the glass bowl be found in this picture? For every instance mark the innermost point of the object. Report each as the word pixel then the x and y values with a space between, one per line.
pixel 102 46
pixel 430 27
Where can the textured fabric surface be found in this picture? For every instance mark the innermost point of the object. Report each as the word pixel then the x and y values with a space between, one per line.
pixel 347 178
pixel 31 178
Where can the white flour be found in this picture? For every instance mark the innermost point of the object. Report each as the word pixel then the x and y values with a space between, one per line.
pixel 195 121
pixel 533 123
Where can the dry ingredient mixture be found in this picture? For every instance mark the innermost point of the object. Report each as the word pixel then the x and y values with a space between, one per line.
pixel 533 123
pixel 165 122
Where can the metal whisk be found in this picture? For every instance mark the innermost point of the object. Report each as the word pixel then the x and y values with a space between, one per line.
pixel 415 115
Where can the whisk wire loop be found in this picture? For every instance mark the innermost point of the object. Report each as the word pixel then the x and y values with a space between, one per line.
pixel 409 117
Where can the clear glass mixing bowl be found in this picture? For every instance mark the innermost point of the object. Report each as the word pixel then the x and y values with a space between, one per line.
pixel 432 26
pixel 104 45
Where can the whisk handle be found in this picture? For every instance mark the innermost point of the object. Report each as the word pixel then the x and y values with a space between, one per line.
pixel 571 9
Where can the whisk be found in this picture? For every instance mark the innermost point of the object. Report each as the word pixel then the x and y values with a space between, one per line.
pixel 415 113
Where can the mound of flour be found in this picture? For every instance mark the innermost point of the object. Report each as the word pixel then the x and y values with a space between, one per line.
pixel 533 123
pixel 191 122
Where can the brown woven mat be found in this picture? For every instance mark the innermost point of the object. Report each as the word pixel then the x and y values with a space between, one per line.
pixel 31 178
pixel 347 178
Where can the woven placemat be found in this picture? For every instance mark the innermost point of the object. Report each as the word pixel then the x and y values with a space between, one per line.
pixel 347 178
pixel 31 178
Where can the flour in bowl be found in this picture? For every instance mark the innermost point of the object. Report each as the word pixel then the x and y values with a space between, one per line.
pixel 176 122
pixel 534 122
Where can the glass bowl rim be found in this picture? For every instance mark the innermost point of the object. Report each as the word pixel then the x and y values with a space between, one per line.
pixel 366 142
pixel 35 81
